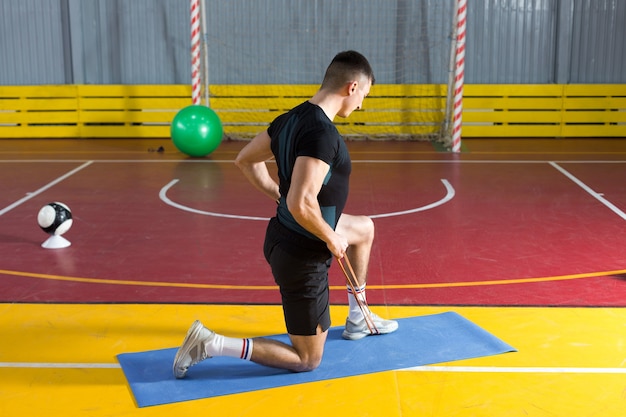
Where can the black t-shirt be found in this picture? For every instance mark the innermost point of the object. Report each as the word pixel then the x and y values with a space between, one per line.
pixel 307 131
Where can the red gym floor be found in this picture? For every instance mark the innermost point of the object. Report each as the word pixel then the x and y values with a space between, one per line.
pixel 512 223
pixel 521 224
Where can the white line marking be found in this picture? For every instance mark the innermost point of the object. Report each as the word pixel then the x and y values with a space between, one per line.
pixel 45 365
pixel 584 186
pixel 163 196
pixel 30 195
pixel 357 161
pixel 516 370
pixel 456 369
pixel 166 200
pixel 449 196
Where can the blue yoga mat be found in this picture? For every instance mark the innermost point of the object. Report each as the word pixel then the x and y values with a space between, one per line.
pixel 419 341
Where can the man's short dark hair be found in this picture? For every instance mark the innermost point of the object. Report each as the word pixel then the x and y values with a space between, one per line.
pixel 347 66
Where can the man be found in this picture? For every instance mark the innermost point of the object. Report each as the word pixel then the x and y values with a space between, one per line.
pixel 309 228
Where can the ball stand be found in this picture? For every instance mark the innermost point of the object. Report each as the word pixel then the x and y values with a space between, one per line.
pixel 56 242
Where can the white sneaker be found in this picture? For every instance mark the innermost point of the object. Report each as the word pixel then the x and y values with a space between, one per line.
pixel 356 331
pixel 192 350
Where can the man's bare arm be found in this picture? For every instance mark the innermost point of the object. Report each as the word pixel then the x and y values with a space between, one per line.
pixel 251 160
pixel 306 182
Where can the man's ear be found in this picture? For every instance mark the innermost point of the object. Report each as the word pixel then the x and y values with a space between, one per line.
pixel 353 86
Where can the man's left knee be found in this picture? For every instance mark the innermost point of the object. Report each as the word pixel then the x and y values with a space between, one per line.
pixel 366 226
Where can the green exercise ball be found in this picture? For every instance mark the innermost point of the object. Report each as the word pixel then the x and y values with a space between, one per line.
pixel 196 130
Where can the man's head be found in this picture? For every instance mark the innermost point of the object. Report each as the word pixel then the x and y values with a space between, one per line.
pixel 350 75
pixel 345 67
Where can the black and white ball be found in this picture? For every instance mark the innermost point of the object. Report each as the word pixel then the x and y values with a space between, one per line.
pixel 55 218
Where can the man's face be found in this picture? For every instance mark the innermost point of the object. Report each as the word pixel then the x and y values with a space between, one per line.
pixel 358 92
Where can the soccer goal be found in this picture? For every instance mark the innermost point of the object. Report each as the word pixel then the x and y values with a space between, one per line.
pixel 267 56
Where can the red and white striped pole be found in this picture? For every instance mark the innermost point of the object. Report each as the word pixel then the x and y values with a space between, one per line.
pixel 459 74
pixel 195 52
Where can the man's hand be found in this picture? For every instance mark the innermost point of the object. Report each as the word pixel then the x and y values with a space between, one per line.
pixel 337 245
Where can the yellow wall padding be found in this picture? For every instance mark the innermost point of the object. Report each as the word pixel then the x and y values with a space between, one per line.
pixel 391 111
pixel 591 110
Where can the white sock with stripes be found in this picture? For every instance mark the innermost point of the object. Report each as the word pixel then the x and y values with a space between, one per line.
pixel 354 312
pixel 230 346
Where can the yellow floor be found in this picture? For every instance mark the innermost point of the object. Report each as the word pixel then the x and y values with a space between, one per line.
pixel 571 362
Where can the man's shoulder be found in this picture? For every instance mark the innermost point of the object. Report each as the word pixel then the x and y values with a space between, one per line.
pixel 307 119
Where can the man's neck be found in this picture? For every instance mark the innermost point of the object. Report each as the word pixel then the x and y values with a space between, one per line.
pixel 330 103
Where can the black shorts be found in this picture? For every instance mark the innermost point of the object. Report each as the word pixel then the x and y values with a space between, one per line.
pixel 300 268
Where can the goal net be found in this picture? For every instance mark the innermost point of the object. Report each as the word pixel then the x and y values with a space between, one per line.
pixel 266 56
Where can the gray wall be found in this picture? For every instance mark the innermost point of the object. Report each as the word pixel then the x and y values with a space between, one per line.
pixel 292 41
